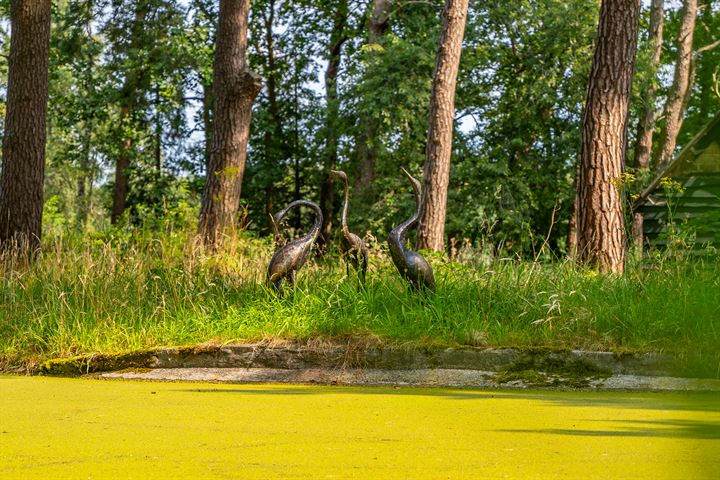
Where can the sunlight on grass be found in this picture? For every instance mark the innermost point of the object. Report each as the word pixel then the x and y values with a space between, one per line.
pixel 120 292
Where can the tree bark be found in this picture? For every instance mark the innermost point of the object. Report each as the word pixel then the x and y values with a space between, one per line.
pixel 84 193
pixel 600 221
pixel 680 89
pixel 646 122
pixel 273 139
pixel 705 81
pixel 157 148
pixel 128 101
pixel 572 223
pixel 235 87
pixel 122 163
pixel 296 156
pixel 378 23
pixel 207 99
pixel 23 146
pixel 436 173
pixel 338 36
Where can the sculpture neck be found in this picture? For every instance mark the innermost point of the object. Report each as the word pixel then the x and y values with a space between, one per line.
pixel 401 230
pixel 345 207
pixel 315 230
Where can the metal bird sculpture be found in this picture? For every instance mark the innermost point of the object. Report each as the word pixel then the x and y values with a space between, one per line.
pixel 411 265
pixel 289 258
pixel 352 248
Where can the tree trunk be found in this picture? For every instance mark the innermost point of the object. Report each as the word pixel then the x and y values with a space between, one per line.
pixel 436 173
pixel 273 138
pixel 207 98
pixel 84 193
pixel 23 146
pixel 378 23
pixel 235 87
pixel 122 163
pixel 157 153
pixel 572 223
pixel 338 36
pixel 296 156
pixel 680 89
pixel 646 122
pixel 704 79
pixel 600 221
pixel 128 101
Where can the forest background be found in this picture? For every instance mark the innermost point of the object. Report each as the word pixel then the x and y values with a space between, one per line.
pixel 141 71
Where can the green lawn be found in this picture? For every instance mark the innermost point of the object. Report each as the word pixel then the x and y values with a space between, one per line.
pixel 118 293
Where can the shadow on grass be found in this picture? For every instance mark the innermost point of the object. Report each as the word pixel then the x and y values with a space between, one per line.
pixel 688 429
pixel 670 401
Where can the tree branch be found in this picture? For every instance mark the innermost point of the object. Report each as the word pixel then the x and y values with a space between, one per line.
pixel 707 47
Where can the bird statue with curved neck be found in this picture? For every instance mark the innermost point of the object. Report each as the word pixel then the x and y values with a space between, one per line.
pixel 352 248
pixel 289 258
pixel 411 265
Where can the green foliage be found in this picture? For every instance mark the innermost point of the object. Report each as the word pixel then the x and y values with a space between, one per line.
pixel 519 99
pixel 523 82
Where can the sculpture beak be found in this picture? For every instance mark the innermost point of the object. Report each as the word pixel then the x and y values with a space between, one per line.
pixel 273 225
pixel 338 173
pixel 417 187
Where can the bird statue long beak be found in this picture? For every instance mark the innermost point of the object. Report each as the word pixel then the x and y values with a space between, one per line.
pixel 274 228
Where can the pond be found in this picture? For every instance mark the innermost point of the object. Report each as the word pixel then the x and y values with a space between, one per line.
pixel 87 428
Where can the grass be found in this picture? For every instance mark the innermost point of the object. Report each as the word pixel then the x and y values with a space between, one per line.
pixel 128 289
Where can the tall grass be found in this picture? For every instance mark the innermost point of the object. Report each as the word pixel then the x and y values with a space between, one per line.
pixel 131 289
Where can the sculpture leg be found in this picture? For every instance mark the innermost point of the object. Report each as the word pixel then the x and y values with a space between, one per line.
pixel 278 284
pixel 275 280
pixel 291 279
pixel 363 266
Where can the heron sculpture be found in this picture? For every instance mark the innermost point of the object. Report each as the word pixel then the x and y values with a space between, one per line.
pixel 289 258
pixel 352 248
pixel 411 265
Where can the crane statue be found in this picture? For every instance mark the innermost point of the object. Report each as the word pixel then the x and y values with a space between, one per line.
pixel 411 265
pixel 352 248
pixel 289 258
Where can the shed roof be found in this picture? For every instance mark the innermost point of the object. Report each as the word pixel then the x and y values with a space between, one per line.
pixel 685 161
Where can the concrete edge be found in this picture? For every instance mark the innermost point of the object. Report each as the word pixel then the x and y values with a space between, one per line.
pixel 297 356
pixel 436 377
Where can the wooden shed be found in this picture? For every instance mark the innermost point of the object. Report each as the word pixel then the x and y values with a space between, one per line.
pixel 697 169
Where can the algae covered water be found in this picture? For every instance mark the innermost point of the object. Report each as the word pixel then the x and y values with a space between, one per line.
pixel 71 428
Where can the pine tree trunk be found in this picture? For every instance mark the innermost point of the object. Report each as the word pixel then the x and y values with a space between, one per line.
pixel 23 146
pixel 129 99
pixel 207 99
pixel 646 122
pixel 338 36
pixel 378 23
pixel 83 193
pixel 600 221
pixel 235 87
pixel 436 173
pixel 705 80
pixel 157 147
pixel 273 139
pixel 680 89
pixel 122 163
pixel 572 223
